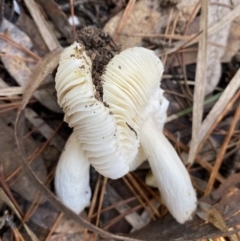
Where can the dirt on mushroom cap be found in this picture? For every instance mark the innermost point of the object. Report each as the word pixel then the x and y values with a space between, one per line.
pixel 101 49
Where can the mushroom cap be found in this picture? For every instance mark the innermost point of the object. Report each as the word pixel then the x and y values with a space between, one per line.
pixel 108 130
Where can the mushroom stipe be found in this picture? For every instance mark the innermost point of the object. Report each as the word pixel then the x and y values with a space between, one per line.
pixel 123 122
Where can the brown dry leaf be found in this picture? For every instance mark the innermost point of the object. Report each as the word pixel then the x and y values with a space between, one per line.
pixel 145 14
pixel 124 18
pixel 210 214
pixel 43 68
pixel 186 7
pixel 217 43
pixel 19 69
pixel 9 154
pixel 67 225
pixel 233 43
pixel 45 217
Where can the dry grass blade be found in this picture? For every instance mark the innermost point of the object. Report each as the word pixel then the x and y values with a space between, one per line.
pixel 192 15
pixel 8 192
pixel 103 190
pixel 133 218
pixel 47 34
pixel 141 191
pixel 33 207
pixel 122 215
pixel 18 57
pixel 115 205
pixel 54 226
pixel 5 199
pixel 20 47
pixel 228 18
pixel 124 18
pixel 219 118
pixel 220 105
pixel 101 199
pixel 166 36
pixel 9 91
pixel 222 152
pixel 72 16
pixel 200 79
pixel 138 197
pixel 147 188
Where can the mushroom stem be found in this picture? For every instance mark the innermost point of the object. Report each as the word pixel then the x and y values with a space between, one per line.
pixel 171 175
pixel 72 177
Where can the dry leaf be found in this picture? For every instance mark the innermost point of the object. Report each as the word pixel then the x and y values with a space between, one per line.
pixel 9 154
pixel 211 215
pixel 19 69
pixel 217 43
pixel 233 43
pixel 45 217
pixel 145 14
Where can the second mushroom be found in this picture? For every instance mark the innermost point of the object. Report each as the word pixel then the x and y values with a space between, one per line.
pixel 119 114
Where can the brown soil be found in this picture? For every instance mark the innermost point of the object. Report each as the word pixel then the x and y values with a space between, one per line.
pixel 101 49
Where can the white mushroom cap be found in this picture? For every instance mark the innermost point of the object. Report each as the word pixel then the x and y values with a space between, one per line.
pixel 72 177
pixel 131 85
pixel 107 134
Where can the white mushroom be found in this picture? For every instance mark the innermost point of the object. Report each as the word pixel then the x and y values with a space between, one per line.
pixel 132 112
pixel 72 177
pixel 135 87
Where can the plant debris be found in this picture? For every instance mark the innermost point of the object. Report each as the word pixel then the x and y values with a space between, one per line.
pixel 101 49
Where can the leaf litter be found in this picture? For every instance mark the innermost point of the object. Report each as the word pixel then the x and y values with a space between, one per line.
pixel 123 205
